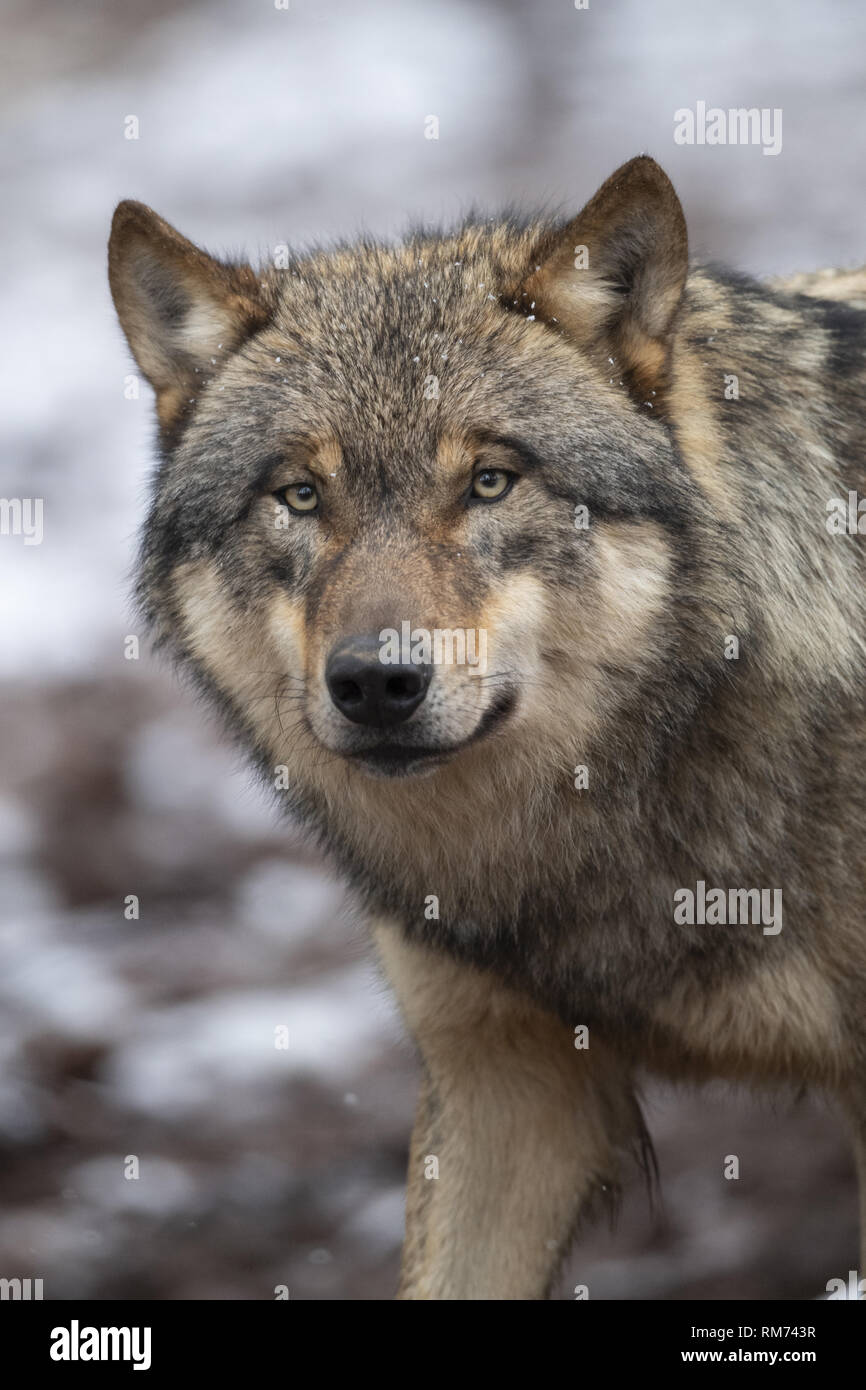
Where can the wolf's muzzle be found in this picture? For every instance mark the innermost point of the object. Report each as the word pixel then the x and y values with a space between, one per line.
pixel 367 690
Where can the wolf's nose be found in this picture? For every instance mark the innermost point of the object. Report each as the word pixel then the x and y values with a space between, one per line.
pixel 368 690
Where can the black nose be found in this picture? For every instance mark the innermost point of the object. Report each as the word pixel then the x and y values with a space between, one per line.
pixel 368 690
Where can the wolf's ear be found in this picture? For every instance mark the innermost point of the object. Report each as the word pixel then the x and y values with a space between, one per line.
pixel 178 307
pixel 613 277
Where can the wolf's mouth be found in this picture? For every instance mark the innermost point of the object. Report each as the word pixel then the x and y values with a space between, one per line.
pixel 412 760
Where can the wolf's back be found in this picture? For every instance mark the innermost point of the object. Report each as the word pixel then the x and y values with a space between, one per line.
pixel 845 286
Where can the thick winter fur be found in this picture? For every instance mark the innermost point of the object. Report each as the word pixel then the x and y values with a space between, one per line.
pixel 592 364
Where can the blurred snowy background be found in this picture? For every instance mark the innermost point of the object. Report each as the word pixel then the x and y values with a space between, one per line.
pixel 155 1038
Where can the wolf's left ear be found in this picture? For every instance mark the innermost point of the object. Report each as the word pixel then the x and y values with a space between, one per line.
pixel 178 307
pixel 613 277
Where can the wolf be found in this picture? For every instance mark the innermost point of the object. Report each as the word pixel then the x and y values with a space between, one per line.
pixel 620 466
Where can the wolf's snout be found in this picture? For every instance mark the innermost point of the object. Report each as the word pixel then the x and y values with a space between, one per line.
pixel 368 690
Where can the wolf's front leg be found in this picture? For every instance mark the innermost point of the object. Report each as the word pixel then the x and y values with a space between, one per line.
pixel 516 1129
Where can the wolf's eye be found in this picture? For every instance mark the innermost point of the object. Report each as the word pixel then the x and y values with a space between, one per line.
pixel 491 484
pixel 300 497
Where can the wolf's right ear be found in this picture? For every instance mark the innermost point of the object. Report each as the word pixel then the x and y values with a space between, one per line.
pixel 178 307
pixel 613 277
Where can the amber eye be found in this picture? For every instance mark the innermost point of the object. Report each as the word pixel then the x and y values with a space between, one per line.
pixel 491 484
pixel 300 497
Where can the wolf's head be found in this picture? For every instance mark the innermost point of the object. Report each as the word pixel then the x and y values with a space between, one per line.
pixel 418 505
